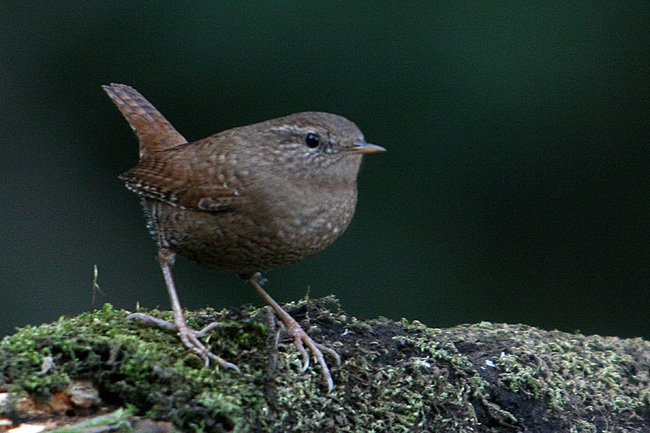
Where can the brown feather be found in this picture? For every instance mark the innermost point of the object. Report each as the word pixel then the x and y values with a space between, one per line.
pixel 166 177
pixel 154 132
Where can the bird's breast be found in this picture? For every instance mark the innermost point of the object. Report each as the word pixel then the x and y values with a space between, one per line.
pixel 265 233
pixel 310 219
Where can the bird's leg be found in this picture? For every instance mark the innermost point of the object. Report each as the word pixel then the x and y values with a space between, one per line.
pixel 300 337
pixel 189 337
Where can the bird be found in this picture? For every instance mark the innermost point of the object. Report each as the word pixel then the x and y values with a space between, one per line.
pixel 244 200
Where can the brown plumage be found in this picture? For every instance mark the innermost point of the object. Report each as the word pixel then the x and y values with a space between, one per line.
pixel 244 200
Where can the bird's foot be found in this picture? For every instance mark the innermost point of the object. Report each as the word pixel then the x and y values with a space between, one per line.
pixel 189 337
pixel 301 339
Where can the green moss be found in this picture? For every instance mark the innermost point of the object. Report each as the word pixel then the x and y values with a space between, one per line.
pixel 135 364
pixel 395 376
pixel 117 421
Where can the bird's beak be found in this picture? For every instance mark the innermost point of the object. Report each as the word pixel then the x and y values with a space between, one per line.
pixel 363 147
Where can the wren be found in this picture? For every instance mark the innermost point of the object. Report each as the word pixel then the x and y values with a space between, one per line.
pixel 244 200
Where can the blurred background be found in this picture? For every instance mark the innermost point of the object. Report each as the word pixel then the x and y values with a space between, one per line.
pixel 515 187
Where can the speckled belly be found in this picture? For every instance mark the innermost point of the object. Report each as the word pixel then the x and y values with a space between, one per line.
pixel 241 243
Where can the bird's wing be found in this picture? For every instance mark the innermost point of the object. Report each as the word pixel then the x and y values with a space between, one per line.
pixel 182 182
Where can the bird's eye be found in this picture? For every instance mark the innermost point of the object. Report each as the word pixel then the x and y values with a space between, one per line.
pixel 312 140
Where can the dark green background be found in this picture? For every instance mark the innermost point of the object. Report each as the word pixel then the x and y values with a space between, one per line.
pixel 515 187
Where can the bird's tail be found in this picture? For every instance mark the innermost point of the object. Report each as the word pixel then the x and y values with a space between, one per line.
pixel 154 132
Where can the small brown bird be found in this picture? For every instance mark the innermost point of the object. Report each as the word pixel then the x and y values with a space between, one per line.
pixel 244 200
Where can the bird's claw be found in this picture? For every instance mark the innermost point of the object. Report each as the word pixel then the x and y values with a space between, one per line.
pixel 300 340
pixel 189 338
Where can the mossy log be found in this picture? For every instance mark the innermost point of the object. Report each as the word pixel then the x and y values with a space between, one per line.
pixel 394 377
